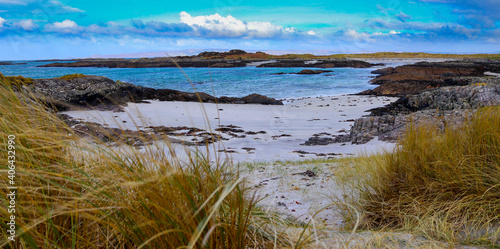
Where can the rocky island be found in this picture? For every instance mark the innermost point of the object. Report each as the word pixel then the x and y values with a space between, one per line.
pixel 233 58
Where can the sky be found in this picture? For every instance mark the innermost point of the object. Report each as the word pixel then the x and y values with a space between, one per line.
pixel 49 29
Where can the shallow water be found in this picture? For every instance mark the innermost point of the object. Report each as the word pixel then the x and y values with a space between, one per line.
pixel 233 82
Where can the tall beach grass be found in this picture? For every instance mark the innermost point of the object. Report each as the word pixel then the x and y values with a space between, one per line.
pixel 76 194
pixel 441 184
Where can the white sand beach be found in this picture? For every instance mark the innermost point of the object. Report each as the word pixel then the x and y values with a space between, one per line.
pixel 286 127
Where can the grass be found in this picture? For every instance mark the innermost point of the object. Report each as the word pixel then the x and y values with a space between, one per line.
pixel 69 77
pixel 16 80
pixel 73 194
pixel 444 185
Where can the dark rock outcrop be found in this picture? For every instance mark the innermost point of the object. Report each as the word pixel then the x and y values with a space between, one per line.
pixel 418 77
pixel 260 99
pixel 445 106
pixel 103 93
pixel 309 71
pixel 149 63
pixel 209 59
pixel 306 71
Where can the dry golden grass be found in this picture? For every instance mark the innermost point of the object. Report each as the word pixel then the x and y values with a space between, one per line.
pixel 15 79
pixel 444 185
pixel 72 76
pixel 73 194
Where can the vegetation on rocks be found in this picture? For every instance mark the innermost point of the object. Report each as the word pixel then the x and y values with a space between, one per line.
pixel 15 80
pixel 72 76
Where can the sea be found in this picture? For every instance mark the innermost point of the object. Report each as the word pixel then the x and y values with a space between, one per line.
pixel 231 82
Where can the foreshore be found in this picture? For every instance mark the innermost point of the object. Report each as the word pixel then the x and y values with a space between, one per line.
pixel 251 132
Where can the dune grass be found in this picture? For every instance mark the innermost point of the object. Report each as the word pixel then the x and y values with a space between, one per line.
pixel 441 184
pixel 75 194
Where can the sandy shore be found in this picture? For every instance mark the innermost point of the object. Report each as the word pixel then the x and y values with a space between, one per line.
pixel 286 127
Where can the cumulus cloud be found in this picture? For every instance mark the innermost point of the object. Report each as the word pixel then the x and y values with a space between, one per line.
pixel 27 25
pixel 2 22
pixel 205 26
pixel 357 36
pixel 66 27
pixel 230 27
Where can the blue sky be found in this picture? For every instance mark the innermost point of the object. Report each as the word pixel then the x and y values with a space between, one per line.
pixel 45 29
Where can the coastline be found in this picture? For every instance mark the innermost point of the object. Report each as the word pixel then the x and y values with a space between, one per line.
pixel 286 127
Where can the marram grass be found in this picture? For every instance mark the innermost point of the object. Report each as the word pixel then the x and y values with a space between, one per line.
pixel 74 194
pixel 441 184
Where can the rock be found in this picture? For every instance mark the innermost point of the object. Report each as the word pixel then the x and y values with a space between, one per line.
pixel 309 71
pixel 472 96
pixel 100 92
pixel 384 71
pixel 317 140
pixel 443 106
pixel 329 63
pixel 260 99
pixel 150 63
pixel 418 77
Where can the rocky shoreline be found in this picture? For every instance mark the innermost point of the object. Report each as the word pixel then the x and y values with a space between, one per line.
pixel 444 93
pixel 97 92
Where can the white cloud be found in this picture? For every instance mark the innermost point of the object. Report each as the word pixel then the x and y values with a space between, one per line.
pixel 26 24
pixel 219 26
pixel 311 32
pixel 352 34
pixel 2 22
pixel 66 26
pixel 355 35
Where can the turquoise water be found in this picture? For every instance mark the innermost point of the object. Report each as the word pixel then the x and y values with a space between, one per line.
pixel 233 82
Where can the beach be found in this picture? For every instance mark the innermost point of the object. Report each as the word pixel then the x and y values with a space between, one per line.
pixel 256 133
